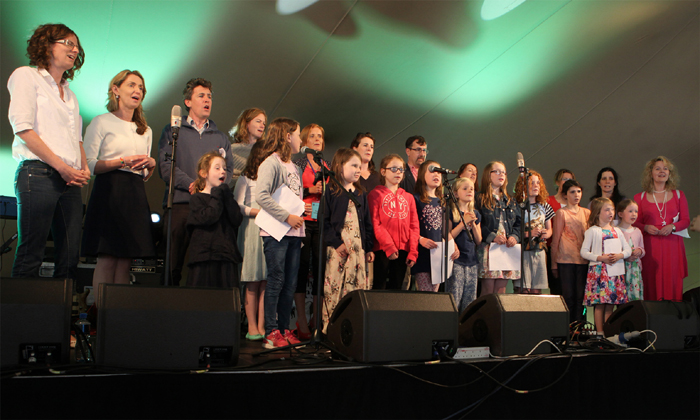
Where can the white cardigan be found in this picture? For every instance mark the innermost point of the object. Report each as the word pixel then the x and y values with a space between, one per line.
pixel 592 246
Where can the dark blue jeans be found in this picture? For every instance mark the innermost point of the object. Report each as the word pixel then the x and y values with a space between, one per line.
pixel 45 203
pixel 282 259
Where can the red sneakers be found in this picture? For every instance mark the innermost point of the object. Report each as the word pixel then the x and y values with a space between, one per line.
pixel 274 340
pixel 290 337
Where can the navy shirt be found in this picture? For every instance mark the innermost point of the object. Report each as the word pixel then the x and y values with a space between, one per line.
pixel 465 244
pixel 430 219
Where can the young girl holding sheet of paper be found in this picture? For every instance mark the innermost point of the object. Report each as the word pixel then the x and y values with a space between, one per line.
pixel 281 256
pixel 500 224
pixel 429 205
pixel 605 247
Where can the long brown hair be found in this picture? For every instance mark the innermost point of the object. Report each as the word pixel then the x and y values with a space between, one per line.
pixel 204 164
pixel 421 188
pixel 340 158
pixel 387 160
pixel 275 138
pixel 255 159
pixel 240 131
pixel 113 103
pixel 485 193
pixel 39 47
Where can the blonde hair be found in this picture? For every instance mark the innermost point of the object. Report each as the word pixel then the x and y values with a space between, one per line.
pixel 204 164
pixel 455 187
pixel 674 178
pixel 596 207
pixel 113 103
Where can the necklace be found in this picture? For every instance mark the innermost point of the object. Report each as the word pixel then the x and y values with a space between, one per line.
pixel 663 208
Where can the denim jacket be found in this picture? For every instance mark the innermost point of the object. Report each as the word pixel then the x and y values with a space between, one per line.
pixel 489 219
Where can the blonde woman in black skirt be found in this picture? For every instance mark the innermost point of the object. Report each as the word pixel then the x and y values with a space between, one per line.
pixel 118 147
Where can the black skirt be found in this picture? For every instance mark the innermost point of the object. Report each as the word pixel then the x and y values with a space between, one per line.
pixel 118 218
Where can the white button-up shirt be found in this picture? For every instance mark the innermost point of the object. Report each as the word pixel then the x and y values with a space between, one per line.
pixel 36 104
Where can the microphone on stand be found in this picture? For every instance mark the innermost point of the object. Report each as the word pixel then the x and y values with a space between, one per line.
pixel 175 121
pixel 521 165
pixel 433 169
pixel 314 152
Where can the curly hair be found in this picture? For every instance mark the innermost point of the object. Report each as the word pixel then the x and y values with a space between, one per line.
pixel 674 178
pixel 204 164
pixel 542 197
pixel 240 131
pixel 113 103
pixel 39 48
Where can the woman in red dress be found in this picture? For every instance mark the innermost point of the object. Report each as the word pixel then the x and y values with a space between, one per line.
pixel 663 219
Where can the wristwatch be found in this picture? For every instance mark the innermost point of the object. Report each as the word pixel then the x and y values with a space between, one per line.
pixel 673 229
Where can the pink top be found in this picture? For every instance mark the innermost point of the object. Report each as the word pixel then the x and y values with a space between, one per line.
pixel 569 230
pixel 634 238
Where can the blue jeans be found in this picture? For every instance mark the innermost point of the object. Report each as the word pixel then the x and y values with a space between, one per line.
pixel 45 203
pixel 282 259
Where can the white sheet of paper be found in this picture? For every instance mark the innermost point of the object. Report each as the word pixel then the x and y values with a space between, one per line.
pixel 503 258
pixel 437 272
pixel 287 200
pixel 614 246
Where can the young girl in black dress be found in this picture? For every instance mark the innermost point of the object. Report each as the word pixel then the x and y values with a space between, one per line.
pixel 214 220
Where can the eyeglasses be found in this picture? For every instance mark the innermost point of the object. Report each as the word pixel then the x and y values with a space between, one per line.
pixel 395 169
pixel 420 150
pixel 68 43
pixel 498 172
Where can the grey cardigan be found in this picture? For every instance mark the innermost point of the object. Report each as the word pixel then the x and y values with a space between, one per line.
pixel 271 176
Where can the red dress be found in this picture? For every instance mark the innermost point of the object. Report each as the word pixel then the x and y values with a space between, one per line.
pixel 665 264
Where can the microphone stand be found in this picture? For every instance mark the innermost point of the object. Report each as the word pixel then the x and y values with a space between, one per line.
pixel 169 205
pixel 524 208
pixel 449 197
pixel 316 336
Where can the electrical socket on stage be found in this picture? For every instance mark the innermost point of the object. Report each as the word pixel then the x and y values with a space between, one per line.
pixel 472 353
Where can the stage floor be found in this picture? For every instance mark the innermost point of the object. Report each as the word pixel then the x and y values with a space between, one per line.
pixel 295 384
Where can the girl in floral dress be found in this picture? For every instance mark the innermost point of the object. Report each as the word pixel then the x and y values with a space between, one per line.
pixel 602 290
pixel 347 232
pixel 627 212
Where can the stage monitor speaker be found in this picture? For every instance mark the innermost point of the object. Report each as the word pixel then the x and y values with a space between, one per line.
pixel 674 323
pixel 167 327
pixel 511 324
pixel 384 326
pixel 35 326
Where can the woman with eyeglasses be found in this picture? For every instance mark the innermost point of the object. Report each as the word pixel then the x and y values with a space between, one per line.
pixel 45 119
pixel 396 226
pixel 363 143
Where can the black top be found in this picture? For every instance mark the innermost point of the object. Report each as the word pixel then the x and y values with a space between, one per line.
pixel 334 219
pixel 408 183
pixel 213 222
pixel 371 182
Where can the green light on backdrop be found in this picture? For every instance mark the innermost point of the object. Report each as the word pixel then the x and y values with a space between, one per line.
pixel 492 9
pixel 160 39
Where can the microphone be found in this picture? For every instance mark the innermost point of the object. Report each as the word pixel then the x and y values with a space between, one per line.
pixel 314 152
pixel 433 169
pixel 175 121
pixel 521 164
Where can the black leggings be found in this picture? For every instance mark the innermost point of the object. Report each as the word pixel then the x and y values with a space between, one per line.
pixel 389 274
pixel 573 286
pixel 309 255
